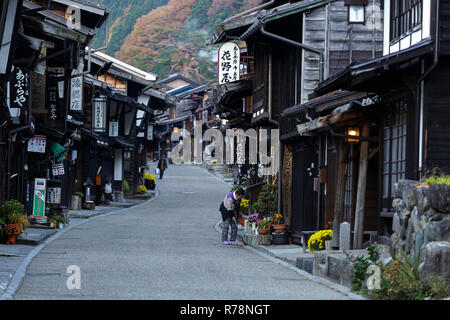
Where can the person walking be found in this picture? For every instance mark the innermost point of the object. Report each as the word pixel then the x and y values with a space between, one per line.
pixel 229 209
pixel 162 166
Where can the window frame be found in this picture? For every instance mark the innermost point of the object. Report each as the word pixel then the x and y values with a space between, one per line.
pixel 406 17
pixel 395 123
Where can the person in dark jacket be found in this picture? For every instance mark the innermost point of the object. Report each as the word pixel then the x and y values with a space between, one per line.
pixel 162 166
pixel 229 209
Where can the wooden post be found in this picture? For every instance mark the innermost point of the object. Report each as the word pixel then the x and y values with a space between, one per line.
pixel 361 193
pixel 340 192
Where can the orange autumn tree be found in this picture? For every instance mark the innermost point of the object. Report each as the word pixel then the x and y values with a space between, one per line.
pixel 156 39
pixel 174 37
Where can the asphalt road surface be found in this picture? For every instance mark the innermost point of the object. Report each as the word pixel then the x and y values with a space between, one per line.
pixel 167 249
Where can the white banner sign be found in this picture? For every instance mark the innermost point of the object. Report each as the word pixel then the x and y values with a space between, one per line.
pixel 76 94
pixel 113 129
pixel 229 63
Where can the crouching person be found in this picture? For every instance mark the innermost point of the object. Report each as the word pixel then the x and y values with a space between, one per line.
pixel 229 208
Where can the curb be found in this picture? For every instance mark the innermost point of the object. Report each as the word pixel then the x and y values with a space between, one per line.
pixel 19 274
pixel 322 281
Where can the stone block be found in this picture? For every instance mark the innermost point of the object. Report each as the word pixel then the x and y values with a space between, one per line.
pixel 264 239
pixel 440 197
pixel 435 259
pixel 396 223
pixel 437 230
pixel 306 264
pixel 344 236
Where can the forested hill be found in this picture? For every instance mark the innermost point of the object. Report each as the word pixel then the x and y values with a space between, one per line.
pixel 163 36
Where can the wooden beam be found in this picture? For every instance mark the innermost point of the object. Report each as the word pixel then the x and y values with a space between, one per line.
pixel 340 192
pixel 361 192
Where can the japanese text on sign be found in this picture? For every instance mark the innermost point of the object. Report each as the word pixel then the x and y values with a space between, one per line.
pixel 229 63
pixel 19 87
pixel 76 94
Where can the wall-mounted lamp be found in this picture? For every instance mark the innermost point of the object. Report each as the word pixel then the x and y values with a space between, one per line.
pixel 354 132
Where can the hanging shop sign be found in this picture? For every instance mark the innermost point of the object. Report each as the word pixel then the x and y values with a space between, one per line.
pixel 19 90
pixel 113 129
pixel 39 199
pixel 229 63
pixel 54 195
pixel 150 132
pixel 99 115
pixel 58 169
pixel 37 144
pixel 76 93
pixel 53 103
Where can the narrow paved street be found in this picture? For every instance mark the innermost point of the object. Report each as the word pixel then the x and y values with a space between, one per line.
pixel 166 249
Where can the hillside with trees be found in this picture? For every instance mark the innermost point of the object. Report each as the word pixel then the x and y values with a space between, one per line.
pixel 163 36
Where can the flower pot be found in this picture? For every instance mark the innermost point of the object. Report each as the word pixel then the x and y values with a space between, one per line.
pixel 280 238
pixel 242 221
pixel 279 227
pixel 12 239
pixel 263 231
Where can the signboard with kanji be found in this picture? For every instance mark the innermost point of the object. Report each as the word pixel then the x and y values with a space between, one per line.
pixel 39 199
pixel 53 103
pixel 76 93
pixel 99 114
pixel 229 63
pixel 54 195
pixel 113 129
pixel 37 144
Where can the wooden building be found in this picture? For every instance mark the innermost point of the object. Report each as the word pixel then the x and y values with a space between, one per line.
pixel 293 48
pixel 396 104
pixel 46 60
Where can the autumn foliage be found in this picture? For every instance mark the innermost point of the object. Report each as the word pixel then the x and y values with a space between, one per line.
pixel 173 37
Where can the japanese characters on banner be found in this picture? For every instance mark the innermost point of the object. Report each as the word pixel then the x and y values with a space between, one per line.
pixel 229 63
pixel 76 94
pixel 37 144
pixel 113 129
pixel 54 195
pixel 53 103
pixel 19 90
pixel 99 114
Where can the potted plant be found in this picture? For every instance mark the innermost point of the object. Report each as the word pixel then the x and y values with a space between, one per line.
pixel 59 221
pixel 252 220
pixel 317 241
pixel 142 189
pixel 278 222
pixel 267 202
pixel 263 226
pixel 243 208
pixel 150 181
pixel 12 230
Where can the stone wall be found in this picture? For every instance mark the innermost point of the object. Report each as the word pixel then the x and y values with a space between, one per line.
pixel 421 224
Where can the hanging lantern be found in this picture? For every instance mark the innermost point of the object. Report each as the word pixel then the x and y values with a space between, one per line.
pixel 354 132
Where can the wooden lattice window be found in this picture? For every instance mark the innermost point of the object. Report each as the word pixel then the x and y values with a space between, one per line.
pixel 394 150
pixel 405 16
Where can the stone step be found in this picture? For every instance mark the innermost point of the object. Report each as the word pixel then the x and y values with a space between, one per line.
pixel 306 264
pixel 34 237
